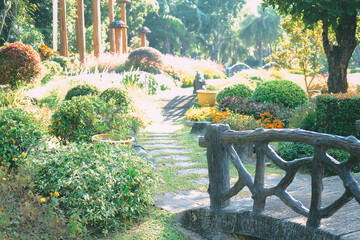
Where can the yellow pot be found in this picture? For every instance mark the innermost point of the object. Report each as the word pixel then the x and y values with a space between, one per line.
pixel 207 98
pixel 112 139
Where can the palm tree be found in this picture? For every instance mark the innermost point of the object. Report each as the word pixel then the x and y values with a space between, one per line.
pixel 261 31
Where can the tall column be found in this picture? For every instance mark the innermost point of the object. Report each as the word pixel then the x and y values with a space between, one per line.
pixel 118 39
pixel 96 27
pixel 55 25
pixel 64 50
pixel 111 30
pixel 81 31
pixel 124 33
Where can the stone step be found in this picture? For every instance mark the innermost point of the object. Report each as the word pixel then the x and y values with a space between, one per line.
pixel 162 146
pixel 180 164
pixel 158 141
pixel 174 157
pixel 169 151
pixel 193 171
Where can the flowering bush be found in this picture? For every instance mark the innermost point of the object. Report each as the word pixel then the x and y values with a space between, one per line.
pixel 246 106
pixel 45 52
pixel 200 114
pixel 100 186
pixel 19 64
pixel 20 133
pixel 270 122
pixel 240 122
pixel 218 117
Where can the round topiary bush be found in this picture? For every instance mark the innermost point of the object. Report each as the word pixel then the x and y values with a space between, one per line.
pixel 20 133
pixel 145 59
pixel 19 64
pixel 120 97
pixel 282 92
pixel 237 90
pixel 81 90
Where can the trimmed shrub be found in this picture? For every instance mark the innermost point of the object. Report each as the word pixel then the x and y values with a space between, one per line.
pixel 120 97
pixel 237 90
pixel 337 113
pixel 20 134
pixel 290 151
pixel 282 92
pixel 82 117
pixel 81 90
pixel 246 106
pixel 19 64
pixel 145 59
pixel 103 186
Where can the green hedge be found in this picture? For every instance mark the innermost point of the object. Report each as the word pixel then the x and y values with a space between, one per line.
pixel 337 113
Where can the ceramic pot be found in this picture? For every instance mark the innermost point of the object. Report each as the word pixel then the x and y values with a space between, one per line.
pixel 207 98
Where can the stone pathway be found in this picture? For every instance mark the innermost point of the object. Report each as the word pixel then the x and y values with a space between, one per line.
pixel 161 143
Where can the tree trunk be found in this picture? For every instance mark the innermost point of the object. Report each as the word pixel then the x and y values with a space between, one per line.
pixel 64 50
pixel 81 31
pixel 339 55
pixel 55 25
pixel 96 27
pixel 260 53
pixel 111 30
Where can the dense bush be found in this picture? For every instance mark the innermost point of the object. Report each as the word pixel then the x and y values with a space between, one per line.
pixel 103 186
pixel 80 118
pixel 120 97
pixel 304 118
pixel 20 133
pixel 81 90
pixel 337 113
pixel 27 215
pixel 237 90
pixel 281 92
pixel 239 122
pixel 19 64
pixel 247 106
pixel 145 59
pixel 290 151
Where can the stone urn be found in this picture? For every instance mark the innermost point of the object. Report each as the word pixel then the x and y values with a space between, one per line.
pixel 206 97
pixel 113 139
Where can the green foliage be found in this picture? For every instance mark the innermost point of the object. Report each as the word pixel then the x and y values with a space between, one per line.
pixel 211 88
pixel 104 186
pixel 282 92
pixel 337 113
pixel 19 64
pixel 290 151
pixel 237 90
pixel 82 90
pixel 304 118
pixel 20 134
pixel 51 68
pixel 120 97
pixel 52 101
pixel 13 98
pixel 142 80
pixel 84 116
pixel 144 59
pixel 22 209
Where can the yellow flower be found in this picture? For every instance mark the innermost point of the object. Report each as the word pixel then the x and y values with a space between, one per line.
pixel 42 200
pixel 56 194
pixel 4 179
pixel 24 154
pixel 14 159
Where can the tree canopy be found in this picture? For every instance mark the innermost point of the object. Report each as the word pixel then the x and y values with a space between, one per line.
pixel 338 16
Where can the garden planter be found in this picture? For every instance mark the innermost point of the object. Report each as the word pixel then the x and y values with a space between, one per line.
pixel 207 98
pixel 113 139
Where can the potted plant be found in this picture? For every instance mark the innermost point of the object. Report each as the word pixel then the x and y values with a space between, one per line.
pixel 207 97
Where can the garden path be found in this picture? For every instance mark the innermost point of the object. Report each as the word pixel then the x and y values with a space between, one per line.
pixel 160 140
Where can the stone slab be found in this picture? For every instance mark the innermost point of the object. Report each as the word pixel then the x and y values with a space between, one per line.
pixel 174 157
pixel 175 202
pixel 193 171
pixel 180 164
pixel 158 141
pixel 169 151
pixel 165 146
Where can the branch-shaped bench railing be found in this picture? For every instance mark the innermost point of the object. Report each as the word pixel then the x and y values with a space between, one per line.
pixel 219 140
